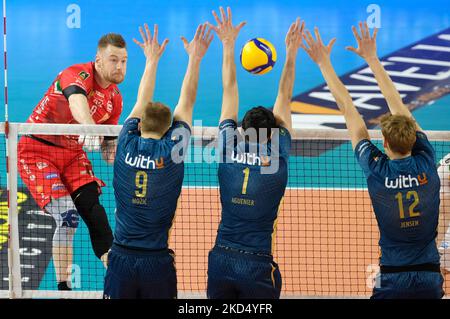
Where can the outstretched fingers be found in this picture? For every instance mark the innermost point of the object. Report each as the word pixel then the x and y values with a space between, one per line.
pixel 216 17
pixel 318 38
pixel 147 31
pixel 330 44
pixel 155 33
pixel 356 34
pixel 240 26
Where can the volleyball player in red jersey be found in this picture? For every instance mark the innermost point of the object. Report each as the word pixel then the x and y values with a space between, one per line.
pixel 56 169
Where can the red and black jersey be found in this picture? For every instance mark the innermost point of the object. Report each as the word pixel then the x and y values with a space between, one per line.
pixel 105 104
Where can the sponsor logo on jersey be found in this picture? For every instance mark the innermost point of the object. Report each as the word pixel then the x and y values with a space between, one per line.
pixel 41 165
pixel 58 186
pixel 144 162
pixel 250 159
pixel 57 88
pixel 51 176
pixel 84 75
pixel 406 181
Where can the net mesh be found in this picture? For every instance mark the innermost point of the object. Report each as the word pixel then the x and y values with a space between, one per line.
pixel 326 241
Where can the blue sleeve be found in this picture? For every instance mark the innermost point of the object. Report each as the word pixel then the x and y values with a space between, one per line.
pixel 285 142
pixel 227 135
pixel 130 128
pixel 179 130
pixel 423 147
pixel 369 157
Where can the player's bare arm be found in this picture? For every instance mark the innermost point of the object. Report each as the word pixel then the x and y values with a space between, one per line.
pixel 196 49
pixel 320 54
pixel 227 33
pixel 367 49
pixel 79 106
pixel 282 109
pixel 153 52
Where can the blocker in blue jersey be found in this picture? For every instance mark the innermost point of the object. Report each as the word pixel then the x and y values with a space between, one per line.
pixel 148 176
pixel 403 184
pixel 253 174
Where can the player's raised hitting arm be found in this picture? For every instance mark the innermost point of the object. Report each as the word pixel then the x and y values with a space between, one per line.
pixel 153 52
pixel 367 49
pixel 320 54
pixel 196 50
pixel 227 33
pixel 282 110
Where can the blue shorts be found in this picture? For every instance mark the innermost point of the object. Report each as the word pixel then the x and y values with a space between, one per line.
pixel 409 285
pixel 236 275
pixel 139 274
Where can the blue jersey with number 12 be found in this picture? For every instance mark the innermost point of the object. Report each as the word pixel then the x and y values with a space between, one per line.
pixel 405 199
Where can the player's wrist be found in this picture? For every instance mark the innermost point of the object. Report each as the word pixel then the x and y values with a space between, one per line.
pixel 228 44
pixel 372 59
pixel 291 54
pixel 152 60
pixel 324 63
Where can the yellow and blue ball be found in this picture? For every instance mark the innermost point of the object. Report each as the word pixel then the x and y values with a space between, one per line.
pixel 258 56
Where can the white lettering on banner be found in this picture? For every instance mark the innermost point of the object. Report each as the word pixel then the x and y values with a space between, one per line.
pixel 424 80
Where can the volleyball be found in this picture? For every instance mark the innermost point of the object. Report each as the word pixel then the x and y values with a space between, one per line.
pixel 258 56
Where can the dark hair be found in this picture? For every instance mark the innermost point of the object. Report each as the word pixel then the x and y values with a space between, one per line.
pixel 259 118
pixel 113 39
pixel 156 118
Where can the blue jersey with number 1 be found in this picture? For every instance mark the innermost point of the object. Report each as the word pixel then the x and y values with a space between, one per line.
pixel 252 185
pixel 148 175
pixel 405 199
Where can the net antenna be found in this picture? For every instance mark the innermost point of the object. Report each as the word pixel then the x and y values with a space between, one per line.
pixel 5 65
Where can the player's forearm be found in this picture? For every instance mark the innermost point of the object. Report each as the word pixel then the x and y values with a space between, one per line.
pixel 355 124
pixel 79 107
pixel 230 98
pixel 190 83
pixel 146 89
pixel 337 88
pixel 147 84
pixel 387 88
pixel 281 108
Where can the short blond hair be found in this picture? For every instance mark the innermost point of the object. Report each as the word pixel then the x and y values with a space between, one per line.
pixel 399 131
pixel 156 118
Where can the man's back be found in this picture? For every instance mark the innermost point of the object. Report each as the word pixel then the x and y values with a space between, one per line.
pixel 405 198
pixel 251 196
pixel 147 184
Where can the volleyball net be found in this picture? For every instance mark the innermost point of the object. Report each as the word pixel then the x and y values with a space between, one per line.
pixel 326 239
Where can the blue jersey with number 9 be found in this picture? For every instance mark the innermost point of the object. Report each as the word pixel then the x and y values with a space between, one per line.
pixel 148 176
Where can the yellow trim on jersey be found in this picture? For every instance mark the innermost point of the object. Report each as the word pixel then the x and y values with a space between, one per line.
pixel 275 225
pixel 272 275
pixel 173 221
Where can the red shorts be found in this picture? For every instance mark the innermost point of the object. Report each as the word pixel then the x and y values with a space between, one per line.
pixel 51 171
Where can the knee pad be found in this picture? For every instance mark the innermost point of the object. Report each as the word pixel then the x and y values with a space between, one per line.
pixel 67 219
pixel 94 215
